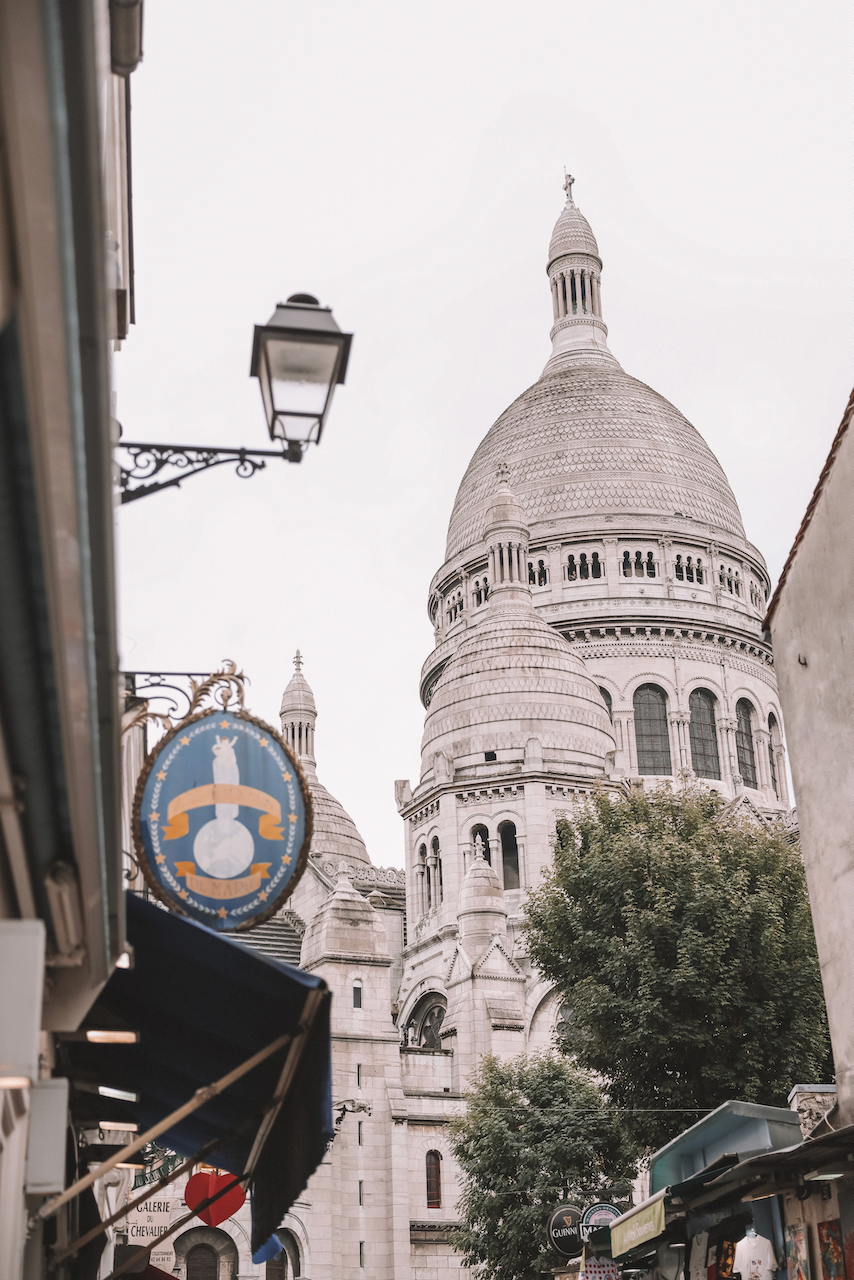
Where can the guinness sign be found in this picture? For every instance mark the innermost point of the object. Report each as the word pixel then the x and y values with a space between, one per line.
pixel 564 1234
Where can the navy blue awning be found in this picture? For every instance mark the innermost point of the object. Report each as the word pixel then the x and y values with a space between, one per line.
pixel 203 1004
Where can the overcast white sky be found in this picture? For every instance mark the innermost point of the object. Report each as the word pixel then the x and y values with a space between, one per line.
pixel 404 163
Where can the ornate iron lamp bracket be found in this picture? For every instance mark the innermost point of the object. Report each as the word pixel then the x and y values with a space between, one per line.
pixel 148 468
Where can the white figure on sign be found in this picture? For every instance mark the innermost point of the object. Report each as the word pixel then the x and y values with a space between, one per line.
pixel 224 847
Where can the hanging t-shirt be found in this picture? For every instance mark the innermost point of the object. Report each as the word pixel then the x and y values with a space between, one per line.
pixel 755 1258
pixel 697 1263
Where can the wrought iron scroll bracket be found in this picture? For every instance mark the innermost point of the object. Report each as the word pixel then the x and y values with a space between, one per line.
pixel 148 468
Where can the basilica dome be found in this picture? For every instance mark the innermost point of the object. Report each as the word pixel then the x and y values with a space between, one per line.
pixel 588 440
pixel 513 682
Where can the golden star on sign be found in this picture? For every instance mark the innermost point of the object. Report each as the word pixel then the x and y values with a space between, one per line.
pixel 185 741
pixel 286 860
pixel 287 777
pixel 160 859
pixel 182 893
pixel 161 775
pixel 223 724
pixel 222 913
pixel 263 895
pixel 154 816
pixel 292 817
pixel 262 742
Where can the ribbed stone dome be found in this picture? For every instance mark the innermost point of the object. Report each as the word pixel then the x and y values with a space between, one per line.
pixel 587 439
pixel 572 234
pixel 335 834
pixel 512 678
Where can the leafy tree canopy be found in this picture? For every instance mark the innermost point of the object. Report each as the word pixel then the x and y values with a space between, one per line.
pixel 682 939
pixel 536 1133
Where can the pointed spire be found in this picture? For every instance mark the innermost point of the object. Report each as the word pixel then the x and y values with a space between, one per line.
pixel 574 269
pixel 298 661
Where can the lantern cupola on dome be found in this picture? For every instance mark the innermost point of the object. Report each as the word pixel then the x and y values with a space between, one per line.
pixel 574 270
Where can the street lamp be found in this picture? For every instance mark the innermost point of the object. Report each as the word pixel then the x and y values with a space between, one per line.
pixel 299 356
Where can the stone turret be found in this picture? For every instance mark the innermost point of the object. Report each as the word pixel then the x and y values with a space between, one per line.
pixel 482 914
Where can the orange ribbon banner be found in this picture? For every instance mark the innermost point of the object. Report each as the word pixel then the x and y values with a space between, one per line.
pixel 208 887
pixel 224 793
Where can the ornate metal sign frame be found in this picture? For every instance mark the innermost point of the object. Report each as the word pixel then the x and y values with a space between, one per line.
pixel 219 689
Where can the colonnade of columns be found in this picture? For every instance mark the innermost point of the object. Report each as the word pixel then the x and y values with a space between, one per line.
pixel 507 562
pixel 576 291
pixel 300 738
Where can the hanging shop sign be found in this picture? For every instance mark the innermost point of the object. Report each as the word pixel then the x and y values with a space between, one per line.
pixel 147 1223
pixel 563 1231
pixel 598 1215
pixel 222 817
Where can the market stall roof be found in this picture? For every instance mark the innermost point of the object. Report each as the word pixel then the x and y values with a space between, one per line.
pixel 202 1005
pixel 733 1127
pixel 813 1160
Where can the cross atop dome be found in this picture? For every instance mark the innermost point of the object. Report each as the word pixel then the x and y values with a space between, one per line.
pixel 298 660
pixel 567 185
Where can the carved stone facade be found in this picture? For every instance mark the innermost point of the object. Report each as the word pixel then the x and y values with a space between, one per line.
pixel 597 622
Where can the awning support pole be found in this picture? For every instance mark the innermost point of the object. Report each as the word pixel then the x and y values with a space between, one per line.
pixel 176 1226
pixel 199 1098
pixel 313 1002
pixel 152 1190
pixel 310 1008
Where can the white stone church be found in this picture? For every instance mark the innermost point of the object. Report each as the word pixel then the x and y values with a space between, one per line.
pixel 597 620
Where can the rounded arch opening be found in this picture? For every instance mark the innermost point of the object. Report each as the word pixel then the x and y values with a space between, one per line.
pixel 509 854
pixel 652 740
pixel 424 1025
pixel 702 731
pixel 744 717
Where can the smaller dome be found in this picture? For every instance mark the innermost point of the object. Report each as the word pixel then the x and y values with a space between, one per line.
pixel 482 913
pixel 298 698
pixel 572 234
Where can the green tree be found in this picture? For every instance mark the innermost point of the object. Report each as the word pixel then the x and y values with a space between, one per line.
pixel 536 1132
pixel 682 940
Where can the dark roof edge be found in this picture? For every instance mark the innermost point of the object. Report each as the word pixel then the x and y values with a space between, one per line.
pixel 810 511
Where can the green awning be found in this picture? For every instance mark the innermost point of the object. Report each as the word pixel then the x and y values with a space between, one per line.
pixel 640 1224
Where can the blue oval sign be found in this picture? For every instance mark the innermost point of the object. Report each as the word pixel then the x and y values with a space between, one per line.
pixel 222 820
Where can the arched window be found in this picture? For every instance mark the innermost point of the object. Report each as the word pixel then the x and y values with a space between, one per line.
pixel 287 1265
pixel 704 739
pixel 425 1022
pixel 773 741
pixel 606 698
pixel 699 571
pixel 357 993
pixel 744 742
pixel 650 565
pixel 583 566
pixel 437 873
pixel 434 1180
pixel 571 571
pixel 680 569
pixel 651 736
pixel 481 832
pixel 509 854
pixel 596 567
pixel 532 577
pixel 542 573
pixel 202 1263
pixel 423 878
pixel 627 564
pixel 638 564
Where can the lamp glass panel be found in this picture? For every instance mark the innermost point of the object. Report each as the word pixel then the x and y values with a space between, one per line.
pixel 300 374
pixel 295 427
